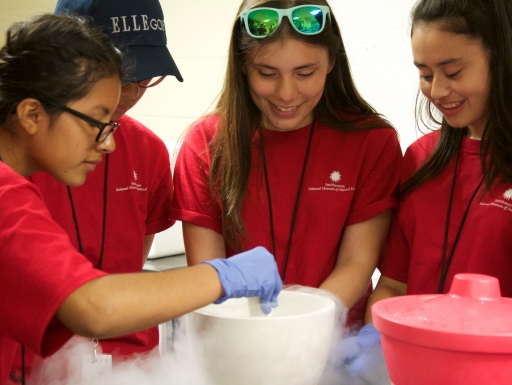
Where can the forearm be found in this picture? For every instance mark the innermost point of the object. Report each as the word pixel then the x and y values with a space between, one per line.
pixel 121 304
pixel 349 281
pixel 359 252
pixel 202 244
pixel 148 242
pixel 386 288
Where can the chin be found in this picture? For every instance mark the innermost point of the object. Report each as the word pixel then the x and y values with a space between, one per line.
pixel 72 181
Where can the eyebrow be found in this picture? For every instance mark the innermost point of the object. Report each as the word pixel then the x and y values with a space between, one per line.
pixel 297 68
pixel 102 108
pixel 440 64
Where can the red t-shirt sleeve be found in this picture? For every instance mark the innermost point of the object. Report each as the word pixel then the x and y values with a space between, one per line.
pixel 396 257
pixel 378 179
pixel 193 201
pixel 161 191
pixel 40 268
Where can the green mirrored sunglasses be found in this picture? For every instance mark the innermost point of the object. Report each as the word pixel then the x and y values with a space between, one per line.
pixel 306 19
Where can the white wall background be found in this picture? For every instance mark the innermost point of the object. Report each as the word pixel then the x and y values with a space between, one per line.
pixel 375 32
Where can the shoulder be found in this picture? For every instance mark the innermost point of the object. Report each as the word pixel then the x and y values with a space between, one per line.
pixel 15 188
pixel 134 137
pixel 418 152
pixel 385 138
pixel 423 147
pixel 135 130
pixel 10 179
pixel 201 132
pixel 206 127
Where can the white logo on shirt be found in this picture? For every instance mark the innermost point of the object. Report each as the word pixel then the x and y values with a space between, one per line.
pixel 133 185
pixel 335 176
pixel 508 194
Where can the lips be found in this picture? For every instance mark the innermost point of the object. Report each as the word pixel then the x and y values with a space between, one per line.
pixel 452 105
pixel 450 108
pixel 285 109
pixel 91 164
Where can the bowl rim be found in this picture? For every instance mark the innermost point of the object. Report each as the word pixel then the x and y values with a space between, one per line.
pixel 426 336
pixel 330 306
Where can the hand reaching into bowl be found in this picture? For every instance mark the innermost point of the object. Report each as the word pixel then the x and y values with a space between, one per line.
pixel 362 356
pixel 250 274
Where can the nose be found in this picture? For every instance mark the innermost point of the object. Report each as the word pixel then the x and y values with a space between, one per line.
pixel 107 146
pixel 131 90
pixel 286 89
pixel 439 88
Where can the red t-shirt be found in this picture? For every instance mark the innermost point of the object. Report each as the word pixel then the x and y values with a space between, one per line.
pixel 40 268
pixel 414 250
pixel 350 177
pixel 138 204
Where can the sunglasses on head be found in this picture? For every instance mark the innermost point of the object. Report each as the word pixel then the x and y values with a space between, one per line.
pixel 306 19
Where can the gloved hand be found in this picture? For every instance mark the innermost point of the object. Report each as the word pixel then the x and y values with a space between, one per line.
pixel 250 274
pixel 362 356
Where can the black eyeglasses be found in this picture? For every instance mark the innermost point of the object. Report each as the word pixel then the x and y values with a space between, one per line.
pixel 105 128
pixel 147 83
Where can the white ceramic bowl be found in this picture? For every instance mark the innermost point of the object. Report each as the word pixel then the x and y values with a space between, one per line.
pixel 234 343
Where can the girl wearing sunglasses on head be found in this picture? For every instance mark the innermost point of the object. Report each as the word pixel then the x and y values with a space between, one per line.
pixel 59 85
pixel 293 158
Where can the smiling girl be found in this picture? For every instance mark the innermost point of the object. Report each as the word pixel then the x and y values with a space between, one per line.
pixel 293 158
pixel 456 210
pixel 455 213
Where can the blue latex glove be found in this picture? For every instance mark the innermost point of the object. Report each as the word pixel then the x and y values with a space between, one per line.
pixel 362 356
pixel 250 274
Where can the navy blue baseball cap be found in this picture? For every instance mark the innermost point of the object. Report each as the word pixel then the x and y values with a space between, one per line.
pixel 136 27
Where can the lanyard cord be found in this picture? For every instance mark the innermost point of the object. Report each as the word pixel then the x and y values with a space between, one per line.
pixel 104 225
pixel 445 263
pixel 296 206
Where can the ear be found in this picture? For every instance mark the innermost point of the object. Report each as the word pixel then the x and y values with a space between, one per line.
pixel 32 116
pixel 332 62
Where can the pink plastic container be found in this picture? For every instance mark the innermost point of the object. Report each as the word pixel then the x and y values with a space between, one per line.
pixel 463 337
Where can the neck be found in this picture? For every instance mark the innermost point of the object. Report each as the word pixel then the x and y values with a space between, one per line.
pixel 475 133
pixel 474 136
pixel 14 156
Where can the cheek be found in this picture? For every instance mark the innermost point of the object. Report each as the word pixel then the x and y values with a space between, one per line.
pixel 312 90
pixel 259 89
pixel 425 89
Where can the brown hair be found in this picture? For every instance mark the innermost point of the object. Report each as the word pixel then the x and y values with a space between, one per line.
pixel 490 22
pixel 341 107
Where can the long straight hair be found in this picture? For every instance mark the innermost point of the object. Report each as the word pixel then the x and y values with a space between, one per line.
pixel 341 107
pixel 490 23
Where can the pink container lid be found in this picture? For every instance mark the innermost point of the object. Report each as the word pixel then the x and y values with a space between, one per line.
pixel 472 317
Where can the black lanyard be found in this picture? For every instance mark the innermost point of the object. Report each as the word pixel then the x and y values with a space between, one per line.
pixel 446 261
pixel 296 206
pixel 104 225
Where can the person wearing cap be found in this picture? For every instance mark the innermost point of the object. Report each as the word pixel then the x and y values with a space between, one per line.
pixel 113 217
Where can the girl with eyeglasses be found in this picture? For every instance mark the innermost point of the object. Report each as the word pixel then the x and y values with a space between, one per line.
pixel 292 158
pixel 59 85
pixel 132 188
pixel 455 212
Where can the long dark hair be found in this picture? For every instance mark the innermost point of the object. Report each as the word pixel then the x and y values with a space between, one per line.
pixel 341 107
pixel 490 22
pixel 54 59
